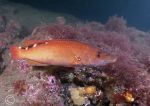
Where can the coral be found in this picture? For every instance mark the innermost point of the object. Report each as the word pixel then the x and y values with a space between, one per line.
pixel 52 84
pixel 43 90
pixel 20 87
pixel 23 66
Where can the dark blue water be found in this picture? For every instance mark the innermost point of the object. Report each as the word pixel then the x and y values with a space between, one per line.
pixel 136 12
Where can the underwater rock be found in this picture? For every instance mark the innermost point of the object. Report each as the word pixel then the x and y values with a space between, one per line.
pixel 77 98
pixel 2 23
pixel 14 27
pixel 20 87
pixel 129 72
pixel 117 24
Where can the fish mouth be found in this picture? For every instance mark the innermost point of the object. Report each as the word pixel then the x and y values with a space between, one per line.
pixel 113 60
pixel 105 62
pixel 108 61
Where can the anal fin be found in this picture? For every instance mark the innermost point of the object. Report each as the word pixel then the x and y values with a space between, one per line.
pixel 35 63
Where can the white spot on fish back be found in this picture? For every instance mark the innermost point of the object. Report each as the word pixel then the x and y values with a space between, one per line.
pixel 26 48
pixel 46 42
pixel 35 45
pixel 19 47
pixel 78 58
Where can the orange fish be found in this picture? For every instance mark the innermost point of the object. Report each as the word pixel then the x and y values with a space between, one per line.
pixel 60 52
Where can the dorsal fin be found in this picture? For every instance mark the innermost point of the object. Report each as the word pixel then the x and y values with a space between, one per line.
pixel 31 42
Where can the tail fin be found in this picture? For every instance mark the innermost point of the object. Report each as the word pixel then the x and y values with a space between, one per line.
pixel 15 52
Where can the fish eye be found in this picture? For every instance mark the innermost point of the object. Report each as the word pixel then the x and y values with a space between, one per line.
pixel 98 54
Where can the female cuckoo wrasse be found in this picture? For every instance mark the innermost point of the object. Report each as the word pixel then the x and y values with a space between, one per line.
pixel 60 52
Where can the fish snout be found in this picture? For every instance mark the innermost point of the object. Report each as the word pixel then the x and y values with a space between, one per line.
pixel 105 62
pixel 105 59
pixel 112 59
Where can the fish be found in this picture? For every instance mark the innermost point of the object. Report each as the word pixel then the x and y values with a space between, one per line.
pixel 61 52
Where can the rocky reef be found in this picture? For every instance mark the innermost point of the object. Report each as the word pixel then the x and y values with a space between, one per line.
pixel 123 83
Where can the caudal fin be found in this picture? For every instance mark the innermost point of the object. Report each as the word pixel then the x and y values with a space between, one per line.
pixel 15 52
